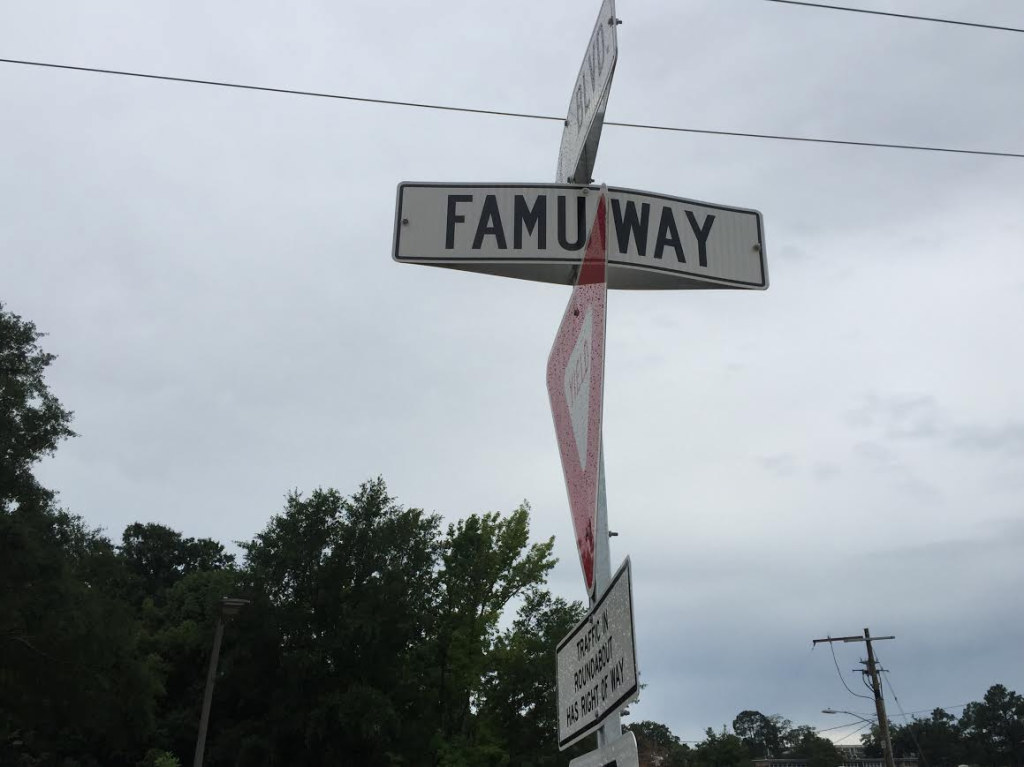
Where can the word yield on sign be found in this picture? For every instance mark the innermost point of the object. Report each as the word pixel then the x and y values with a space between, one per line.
pixel 597 663
pixel 538 232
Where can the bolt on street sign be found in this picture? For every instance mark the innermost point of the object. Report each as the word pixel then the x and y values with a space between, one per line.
pixel 539 231
pixel 621 752
pixel 596 663
pixel 589 99
pixel 575 380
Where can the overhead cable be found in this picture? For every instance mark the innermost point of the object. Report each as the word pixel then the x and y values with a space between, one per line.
pixel 840 673
pixel 502 113
pixel 908 16
pixel 851 734
pixel 907 723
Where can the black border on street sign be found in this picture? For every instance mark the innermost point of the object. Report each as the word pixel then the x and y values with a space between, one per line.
pixel 625 567
pixel 697 277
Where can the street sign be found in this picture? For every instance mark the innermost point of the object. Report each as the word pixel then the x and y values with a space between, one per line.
pixel 575 378
pixel 619 753
pixel 589 99
pixel 538 232
pixel 596 663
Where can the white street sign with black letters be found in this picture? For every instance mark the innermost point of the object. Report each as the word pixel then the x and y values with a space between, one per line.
pixel 597 663
pixel 539 231
pixel 588 101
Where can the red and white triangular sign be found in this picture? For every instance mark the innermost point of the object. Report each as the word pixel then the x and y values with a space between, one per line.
pixel 576 389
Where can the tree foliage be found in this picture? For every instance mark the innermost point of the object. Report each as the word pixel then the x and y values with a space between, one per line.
pixel 657 745
pixel 989 733
pixel 720 749
pixel 372 637
pixel 994 727
pixel 759 733
pixel 32 420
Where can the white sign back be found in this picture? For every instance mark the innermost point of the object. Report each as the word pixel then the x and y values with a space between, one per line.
pixel 621 752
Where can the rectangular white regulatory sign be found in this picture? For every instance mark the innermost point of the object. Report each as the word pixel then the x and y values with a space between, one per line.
pixel 539 232
pixel 621 752
pixel 596 663
pixel 589 99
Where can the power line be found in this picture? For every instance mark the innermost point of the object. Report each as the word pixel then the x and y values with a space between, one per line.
pixel 502 113
pixel 924 710
pixel 268 89
pixel 844 726
pixel 898 15
pixel 913 737
pixel 858 695
pixel 806 139
pixel 850 735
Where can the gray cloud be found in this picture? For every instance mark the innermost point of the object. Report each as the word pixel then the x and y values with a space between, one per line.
pixel 912 417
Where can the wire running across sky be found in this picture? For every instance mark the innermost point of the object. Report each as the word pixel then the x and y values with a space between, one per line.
pixel 501 113
pixel 905 16
pixel 840 673
pixel 906 719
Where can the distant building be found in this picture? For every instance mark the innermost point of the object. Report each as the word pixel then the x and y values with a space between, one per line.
pixel 852 756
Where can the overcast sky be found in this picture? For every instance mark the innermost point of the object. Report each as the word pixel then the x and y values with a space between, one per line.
pixel 844 450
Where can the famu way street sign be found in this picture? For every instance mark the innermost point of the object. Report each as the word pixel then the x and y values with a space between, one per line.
pixel 539 231
pixel 589 98
pixel 597 663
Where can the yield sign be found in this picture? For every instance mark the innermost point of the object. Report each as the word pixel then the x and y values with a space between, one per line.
pixel 576 389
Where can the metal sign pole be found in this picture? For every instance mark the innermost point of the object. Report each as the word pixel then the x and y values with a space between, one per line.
pixel 612 727
pixel 611 730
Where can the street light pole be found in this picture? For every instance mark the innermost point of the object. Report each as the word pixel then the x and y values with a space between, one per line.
pixel 228 607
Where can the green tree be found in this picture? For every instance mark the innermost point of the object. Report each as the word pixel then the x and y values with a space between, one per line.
pixel 371 638
pixel 487 561
pixel 759 733
pixel 32 420
pixel 74 685
pixel 805 743
pixel 178 636
pixel 74 682
pixel 518 705
pixel 780 734
pixel 657 745
pixel 936 739
pixel 994 728
pixel 721 750
pixel 157 557
pixel 343 591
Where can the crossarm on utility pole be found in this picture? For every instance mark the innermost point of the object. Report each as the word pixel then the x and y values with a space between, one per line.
pixel 857 638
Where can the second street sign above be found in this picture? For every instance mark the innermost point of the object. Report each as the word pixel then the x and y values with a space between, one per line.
pixel 585 119
pixel 538 232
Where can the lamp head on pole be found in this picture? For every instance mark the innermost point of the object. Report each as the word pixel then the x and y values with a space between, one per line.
pixel 230 606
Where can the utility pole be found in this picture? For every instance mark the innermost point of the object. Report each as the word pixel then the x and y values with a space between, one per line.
pixel 228 607
pixel 876 688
